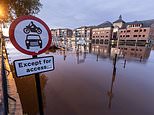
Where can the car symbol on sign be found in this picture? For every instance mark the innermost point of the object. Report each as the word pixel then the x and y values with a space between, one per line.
pixel 33 40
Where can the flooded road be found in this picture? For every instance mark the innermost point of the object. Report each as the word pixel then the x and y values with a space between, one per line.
pixel 85 82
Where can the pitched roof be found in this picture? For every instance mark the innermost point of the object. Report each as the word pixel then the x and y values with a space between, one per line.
pixel 119 20
pixel 105 24
pixel 145 23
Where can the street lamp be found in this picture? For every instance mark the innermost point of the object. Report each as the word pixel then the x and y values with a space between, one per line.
pixel 1 17
pixel 2 12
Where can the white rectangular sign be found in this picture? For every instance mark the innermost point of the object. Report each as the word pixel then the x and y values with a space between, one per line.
pixel 30 66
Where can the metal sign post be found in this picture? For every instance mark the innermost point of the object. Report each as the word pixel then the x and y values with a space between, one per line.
pixel 39 92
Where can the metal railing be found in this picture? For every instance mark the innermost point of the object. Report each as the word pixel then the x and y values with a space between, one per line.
pixel 4 82
pixel 4 74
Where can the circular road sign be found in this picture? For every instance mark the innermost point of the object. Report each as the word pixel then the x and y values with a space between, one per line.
pixel 30 35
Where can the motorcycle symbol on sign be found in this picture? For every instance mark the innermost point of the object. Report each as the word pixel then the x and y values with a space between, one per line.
pixel 32 40
pixel 32 28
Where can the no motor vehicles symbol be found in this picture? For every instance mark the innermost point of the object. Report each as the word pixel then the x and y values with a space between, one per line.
pixel 30 35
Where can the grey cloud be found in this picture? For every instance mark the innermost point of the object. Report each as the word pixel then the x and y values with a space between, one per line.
pixel 75 13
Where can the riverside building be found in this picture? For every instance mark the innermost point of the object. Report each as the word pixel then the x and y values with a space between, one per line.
pixel 137 32
pixel 119 32
pixel 61 34
pixel 125 33
pixel 102 33
pixel 82 33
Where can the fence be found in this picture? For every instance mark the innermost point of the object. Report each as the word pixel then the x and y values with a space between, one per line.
pixel 6 99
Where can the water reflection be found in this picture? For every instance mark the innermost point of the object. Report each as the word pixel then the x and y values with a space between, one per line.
pixel 102 51
pixel 80 85
pixel 81 54
pixel 64 54
pixel 125 63
pixel 126 52
pixel 110 92
pixel 26 88
pixel 137 52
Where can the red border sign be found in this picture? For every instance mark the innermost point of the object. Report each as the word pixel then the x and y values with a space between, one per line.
pixel 17 46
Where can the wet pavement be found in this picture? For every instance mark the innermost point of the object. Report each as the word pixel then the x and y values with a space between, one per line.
pixel 14 105
pixel 85 82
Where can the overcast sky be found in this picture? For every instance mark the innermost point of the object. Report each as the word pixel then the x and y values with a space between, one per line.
pixel 76 13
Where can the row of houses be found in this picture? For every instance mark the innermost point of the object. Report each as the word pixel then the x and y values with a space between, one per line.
pixel 119 30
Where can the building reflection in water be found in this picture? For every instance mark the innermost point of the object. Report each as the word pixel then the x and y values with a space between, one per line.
pixel 101 50
pixel 81 53
pixel 64 53
pixel 125 52
pixel 141 53
pixel 26 88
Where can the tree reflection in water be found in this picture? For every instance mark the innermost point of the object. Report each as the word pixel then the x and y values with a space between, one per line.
pixel 26 88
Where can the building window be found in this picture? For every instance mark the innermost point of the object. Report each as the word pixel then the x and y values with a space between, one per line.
pixel 127 35
pixel 101 41
pixel 128 30
pixel 106 40
pixel 137 25
pixel 93 40
pixel 140 30
pixel 135 36
pixel 143 35
pixel 123 35
pixel 135 30
pixel 132 49
pixel 144 30
pixel 120 35
pixel 106 36
pixel 97 41
pixel 139 35
pixel 121 31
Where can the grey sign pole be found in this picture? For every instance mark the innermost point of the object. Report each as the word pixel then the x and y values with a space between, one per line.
pixel 39 93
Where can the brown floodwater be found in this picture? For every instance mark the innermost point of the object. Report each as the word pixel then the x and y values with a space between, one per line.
pixel 85 81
